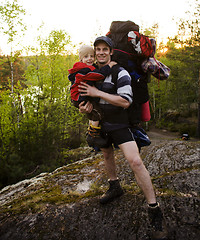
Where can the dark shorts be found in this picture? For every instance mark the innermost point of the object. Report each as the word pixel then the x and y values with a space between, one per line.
pixel 118 137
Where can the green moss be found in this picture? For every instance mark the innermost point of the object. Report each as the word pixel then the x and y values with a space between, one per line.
pixel 76 168
pixel 169 192
pixel 181 170
pixel 46 195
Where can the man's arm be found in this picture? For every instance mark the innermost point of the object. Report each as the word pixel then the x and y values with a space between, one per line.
pixel 116 100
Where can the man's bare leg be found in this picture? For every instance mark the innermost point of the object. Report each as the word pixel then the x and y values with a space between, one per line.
pixel 115 189
pixel 142 176
pixel 132 155
pixel 157 221
pixel 109 161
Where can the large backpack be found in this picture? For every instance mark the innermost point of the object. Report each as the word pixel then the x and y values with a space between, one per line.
pixel 135 52
pixel 126 55
pixel 129 44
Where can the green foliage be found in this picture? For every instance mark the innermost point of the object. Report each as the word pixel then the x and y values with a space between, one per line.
pixel 18 73
pixel 181 91
pixel 11 15
pixel 188 32
pixel 42 122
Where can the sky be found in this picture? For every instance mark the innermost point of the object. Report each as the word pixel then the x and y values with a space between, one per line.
pixel 82 19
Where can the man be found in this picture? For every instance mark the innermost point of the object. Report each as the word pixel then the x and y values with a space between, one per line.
pixel 114 100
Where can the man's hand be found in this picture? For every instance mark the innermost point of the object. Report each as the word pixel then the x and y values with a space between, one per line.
pixel 87 90
pixel 112 63
pixel 85 108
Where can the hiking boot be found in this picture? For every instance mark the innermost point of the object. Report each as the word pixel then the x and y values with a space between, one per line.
pixel 158 225
pixel 94 138
pixel 113 192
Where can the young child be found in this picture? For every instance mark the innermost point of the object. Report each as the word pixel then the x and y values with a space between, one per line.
pixel 84 71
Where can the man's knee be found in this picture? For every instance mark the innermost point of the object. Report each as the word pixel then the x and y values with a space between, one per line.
pixel 136 162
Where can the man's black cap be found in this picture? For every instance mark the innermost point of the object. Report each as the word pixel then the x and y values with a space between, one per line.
pixel 105 39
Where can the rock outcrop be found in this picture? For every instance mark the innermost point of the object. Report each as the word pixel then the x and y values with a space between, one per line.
pixel 64 204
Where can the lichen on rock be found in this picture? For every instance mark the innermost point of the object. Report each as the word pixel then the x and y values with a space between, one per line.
pixel 64 204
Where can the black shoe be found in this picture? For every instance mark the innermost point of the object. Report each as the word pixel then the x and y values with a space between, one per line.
pixel 113 192
pixel 158 225
pixel 96 141
pixel 94 138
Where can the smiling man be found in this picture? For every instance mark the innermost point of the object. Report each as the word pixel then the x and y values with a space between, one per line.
pixel 115 98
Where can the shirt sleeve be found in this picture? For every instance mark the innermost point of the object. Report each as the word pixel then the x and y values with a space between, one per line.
pixel 124 88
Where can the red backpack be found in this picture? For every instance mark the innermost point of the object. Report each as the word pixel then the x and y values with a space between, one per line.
pixel 141 43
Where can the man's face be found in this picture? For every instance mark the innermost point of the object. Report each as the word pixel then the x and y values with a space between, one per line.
pixel 103 53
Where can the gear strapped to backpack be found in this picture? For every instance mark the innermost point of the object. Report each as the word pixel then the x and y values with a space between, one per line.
pixel 141 43
pixel 141 137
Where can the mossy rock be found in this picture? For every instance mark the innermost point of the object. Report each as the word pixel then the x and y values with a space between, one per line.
pixel 64 204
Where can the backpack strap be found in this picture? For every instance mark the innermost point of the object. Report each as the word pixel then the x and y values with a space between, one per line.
pixel 115 72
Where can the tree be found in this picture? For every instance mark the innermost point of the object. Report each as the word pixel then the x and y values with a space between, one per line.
pixel 189 38
pixel 180 93
pixel 5 73
pixel 12 25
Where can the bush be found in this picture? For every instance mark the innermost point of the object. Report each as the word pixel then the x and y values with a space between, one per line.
pixel 188 128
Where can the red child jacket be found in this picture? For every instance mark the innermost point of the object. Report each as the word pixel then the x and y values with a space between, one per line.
pixel 82 72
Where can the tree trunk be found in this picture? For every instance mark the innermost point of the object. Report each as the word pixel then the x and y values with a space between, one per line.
pixel 12 77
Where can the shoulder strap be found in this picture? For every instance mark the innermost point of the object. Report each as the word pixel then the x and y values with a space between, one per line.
pixel 115 72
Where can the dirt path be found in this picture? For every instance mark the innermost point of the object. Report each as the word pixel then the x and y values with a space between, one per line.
pixel 159 134
pixel 156 134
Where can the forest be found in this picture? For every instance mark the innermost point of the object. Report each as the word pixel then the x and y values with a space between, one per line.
pixel 38 124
